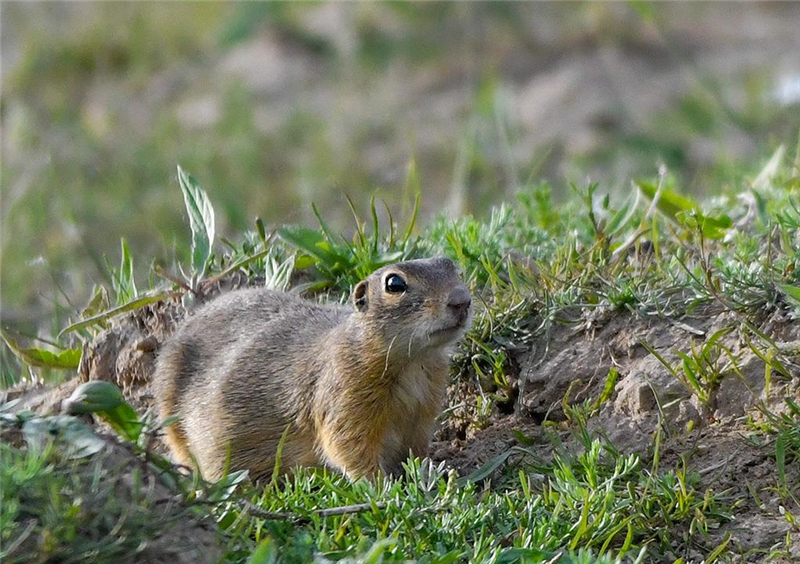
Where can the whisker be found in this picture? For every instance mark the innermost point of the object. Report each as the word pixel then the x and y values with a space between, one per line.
pixel 386 362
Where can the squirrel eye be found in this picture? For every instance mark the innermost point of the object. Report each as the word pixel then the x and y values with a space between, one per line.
pixel 395 284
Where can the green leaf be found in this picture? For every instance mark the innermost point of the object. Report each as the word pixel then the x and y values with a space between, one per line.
pixel 387 258
pixel 106 400
pixel 130 306
pixel 375 554
pixel 310 241
pixel 622 218
pixel 78 438
pixel 691 376
pixel 277 276
pixel 93 396
pixel 583 523
pixel 237 265
pixel 412 183
pixel 645 10
pixel 201 220
pixel 225 486
pixel 715 227
pixel 793 406
pixel 761 207
pixel 66 359
pixel 514 555
pixel 669 203
pixel 712 340
pixel 304 261
pixel 523 439
pixel 791 292
pixel 486 96
pixel 262 231
pixel 682 210
pixel 98 303
pixel 329 234
pixel 489 467
pixel 608 389
pixel 375 225
pixel 359 236
pixel 717 551
pixel 124 420
pixel 486 470
pixel 266 553
pixel 449 557
pixel 390 243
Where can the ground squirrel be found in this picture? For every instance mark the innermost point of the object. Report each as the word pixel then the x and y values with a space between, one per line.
pixel 355 388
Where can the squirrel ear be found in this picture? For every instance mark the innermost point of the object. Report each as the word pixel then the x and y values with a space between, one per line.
pixel 360 299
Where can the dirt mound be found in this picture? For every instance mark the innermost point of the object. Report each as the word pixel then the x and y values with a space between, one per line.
pixel 125 354
pixel 577 362
pixel 564 374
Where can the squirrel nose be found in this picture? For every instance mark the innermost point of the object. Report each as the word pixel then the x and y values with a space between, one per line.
pixel 459 299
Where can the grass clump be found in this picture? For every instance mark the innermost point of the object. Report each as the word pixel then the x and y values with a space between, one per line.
pixel 106 502
pixel 601 503
pixel 61 509
pixel 702 368
pixel 339 263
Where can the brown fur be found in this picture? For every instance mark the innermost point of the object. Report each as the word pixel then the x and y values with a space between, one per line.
pixel 357 390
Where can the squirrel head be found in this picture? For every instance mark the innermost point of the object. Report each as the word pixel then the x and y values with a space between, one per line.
pixel 415 305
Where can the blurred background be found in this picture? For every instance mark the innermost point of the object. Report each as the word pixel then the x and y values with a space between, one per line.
pixel 276 105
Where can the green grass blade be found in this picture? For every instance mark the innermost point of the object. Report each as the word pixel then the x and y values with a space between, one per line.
pixel 608 388
pixel 127 286
pixel 718 551
pixel 764 178
pixel 360 235
pixel 660 358
pixel 583 523
pixel 489 467
pixel 622 218
pixel 329 234
pixel 413 220
pixel 375 226
pixel 691 377
pixel 133 305
pixel 791 292
pixel 391 224
pixel 780 458
pixel 712 340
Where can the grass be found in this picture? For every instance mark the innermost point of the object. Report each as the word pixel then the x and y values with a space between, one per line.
pixel 532 266
pixel 702 368
pixel 598 506
pixel 593 501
